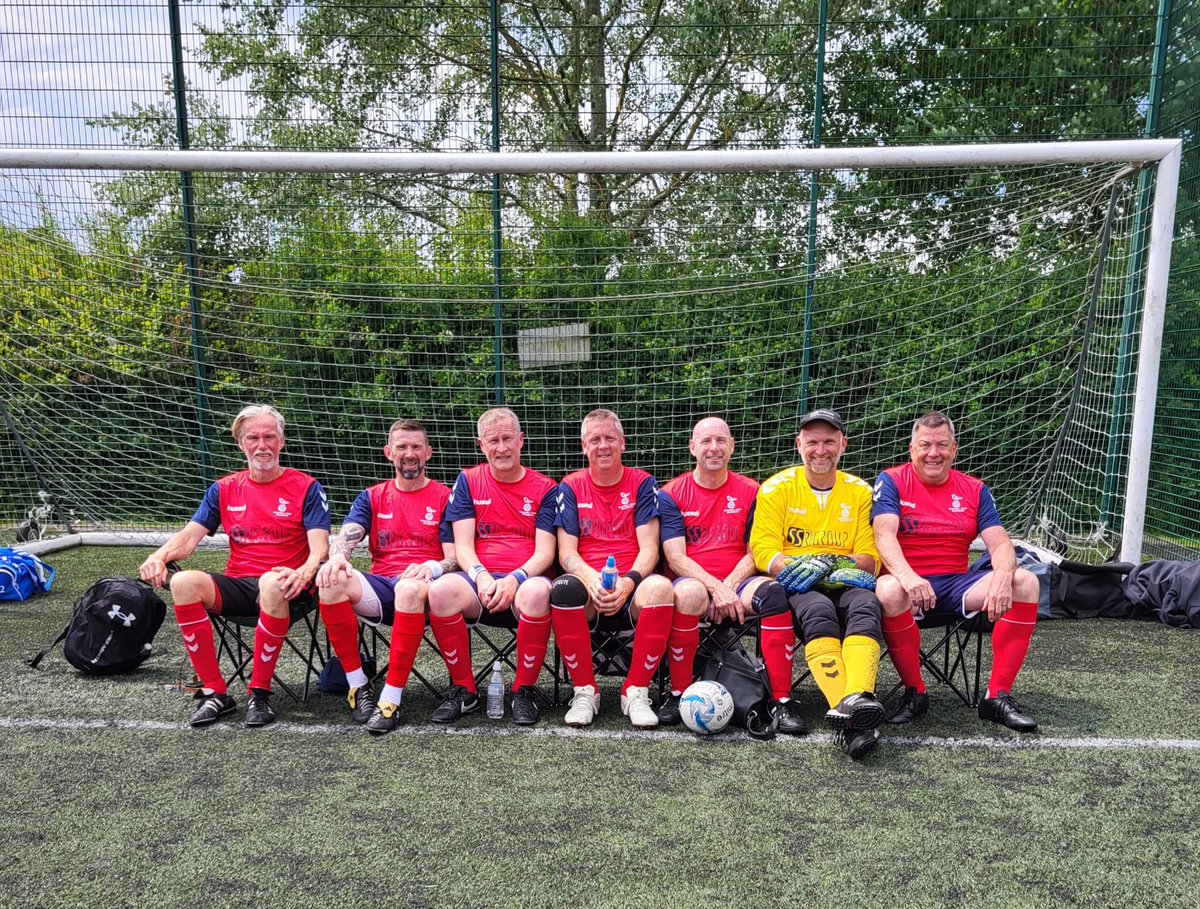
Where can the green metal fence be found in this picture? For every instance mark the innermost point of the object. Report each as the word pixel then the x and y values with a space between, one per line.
pixel 594 74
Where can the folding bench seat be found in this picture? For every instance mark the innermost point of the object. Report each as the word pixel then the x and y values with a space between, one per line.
pixel 235 643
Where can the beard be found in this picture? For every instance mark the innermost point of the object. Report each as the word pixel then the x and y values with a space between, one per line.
pixel 411 471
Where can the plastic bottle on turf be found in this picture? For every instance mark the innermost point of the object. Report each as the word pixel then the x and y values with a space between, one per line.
pixel 495 693
pixel 608 575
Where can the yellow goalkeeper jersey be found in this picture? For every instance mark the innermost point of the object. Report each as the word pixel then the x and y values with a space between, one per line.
pixel 790 520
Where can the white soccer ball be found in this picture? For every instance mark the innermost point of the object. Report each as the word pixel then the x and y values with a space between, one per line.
pixel 706 707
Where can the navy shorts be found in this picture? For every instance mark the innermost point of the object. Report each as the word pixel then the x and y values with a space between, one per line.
pixel 951 591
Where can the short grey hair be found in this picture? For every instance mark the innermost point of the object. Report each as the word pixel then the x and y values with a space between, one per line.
pixel 600 413
pixel 933 420
pixel 494 415
pixel 253 411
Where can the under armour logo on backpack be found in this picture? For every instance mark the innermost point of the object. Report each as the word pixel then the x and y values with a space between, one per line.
pixel 128 618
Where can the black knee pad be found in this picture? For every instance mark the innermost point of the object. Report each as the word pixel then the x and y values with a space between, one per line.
pixel 770 599
pixel 862 613
pixel 568 591
pixel 816 614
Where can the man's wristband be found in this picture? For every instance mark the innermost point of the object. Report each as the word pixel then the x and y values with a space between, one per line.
pixel 476 571
pixel 435 569
pixel 520 575
pixel 635 576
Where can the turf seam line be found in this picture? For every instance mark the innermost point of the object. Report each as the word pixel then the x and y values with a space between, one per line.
pixel 1099 743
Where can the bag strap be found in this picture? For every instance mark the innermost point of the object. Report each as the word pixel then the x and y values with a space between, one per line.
pixel 33 664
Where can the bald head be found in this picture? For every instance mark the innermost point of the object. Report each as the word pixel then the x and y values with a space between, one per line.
pixel 712 446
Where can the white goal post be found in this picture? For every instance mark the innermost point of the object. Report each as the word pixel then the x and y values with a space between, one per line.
pixel 1164 154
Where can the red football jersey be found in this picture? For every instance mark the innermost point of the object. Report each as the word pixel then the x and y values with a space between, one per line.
pixel 715 522
pixel 606 518
pixel 506 515
pixel 403 527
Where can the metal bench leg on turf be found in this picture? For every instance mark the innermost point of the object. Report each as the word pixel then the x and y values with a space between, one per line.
pixel 232 643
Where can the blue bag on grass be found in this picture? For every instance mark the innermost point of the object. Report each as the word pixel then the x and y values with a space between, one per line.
pixel 23 575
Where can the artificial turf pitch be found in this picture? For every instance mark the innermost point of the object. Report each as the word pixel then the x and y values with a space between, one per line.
pixel 110 800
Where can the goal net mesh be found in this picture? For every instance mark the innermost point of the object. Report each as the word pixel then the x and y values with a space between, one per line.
pixel 350 300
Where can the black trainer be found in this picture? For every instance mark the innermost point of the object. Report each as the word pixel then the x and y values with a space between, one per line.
pixel 912 705
pixel 258 710
pixel 362 703
pixel 385 718
pixel 857 743
pixel 1003 709
pixel 860 710
pixel 524 707
pixel 212 708
pixel 456 702
pixel 787 716
pixel 668 713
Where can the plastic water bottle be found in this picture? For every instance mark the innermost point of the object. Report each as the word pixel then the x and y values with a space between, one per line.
pixel 608 575
pixel 495 693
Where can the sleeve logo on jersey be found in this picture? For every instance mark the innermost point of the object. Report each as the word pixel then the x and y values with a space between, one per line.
pixel 878 491
pixel 281 510
pixel 731 505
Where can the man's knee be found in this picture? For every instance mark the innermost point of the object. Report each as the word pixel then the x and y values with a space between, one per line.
pixel 770 598
pixel 655 590
pixel 533 598
pixel 270 595
pixel 410 595
pixel 448 595
pixel 1026 587
pixel 192 587
pixel 568 592
pixel 892 598
pixel 862 614
pixel 691 597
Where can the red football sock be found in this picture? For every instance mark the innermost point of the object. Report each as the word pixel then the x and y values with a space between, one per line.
pixel 682 645
pixel 1010 641
pixel 341 624
pixel 574 642
pixel 649 644
pixel 904 646
pixel 777 637
pixel 196 628
pixel 407 630
pixel 454 641
pixel 268 642
pixel 533 637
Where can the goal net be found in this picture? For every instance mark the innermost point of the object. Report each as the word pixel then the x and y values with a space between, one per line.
pixel 1009 296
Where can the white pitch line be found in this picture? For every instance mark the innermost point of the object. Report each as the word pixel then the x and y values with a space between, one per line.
pixel 1022 743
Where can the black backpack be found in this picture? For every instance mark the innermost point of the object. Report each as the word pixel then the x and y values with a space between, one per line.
pixel 114 622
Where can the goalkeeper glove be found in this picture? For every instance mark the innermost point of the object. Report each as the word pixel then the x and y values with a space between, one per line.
pixel 801 574
pixel 848 577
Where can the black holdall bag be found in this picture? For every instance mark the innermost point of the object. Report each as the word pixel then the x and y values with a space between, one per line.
pixel 745 677
pixel 112 627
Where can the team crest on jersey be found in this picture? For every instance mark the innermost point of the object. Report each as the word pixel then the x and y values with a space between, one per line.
pixel 527 508
pixel 281 510
pixel 731 505
pixel 956 504
pixel 625 503
pixel 430 517
pixel 844 517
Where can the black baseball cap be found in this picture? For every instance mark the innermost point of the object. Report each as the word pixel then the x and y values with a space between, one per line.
pixel 832 417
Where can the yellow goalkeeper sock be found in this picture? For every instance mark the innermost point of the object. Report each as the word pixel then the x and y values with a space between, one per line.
pixel 824 658
pixel 862 663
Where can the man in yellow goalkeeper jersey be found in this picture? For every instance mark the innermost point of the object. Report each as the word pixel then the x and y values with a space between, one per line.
pixel 812 533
